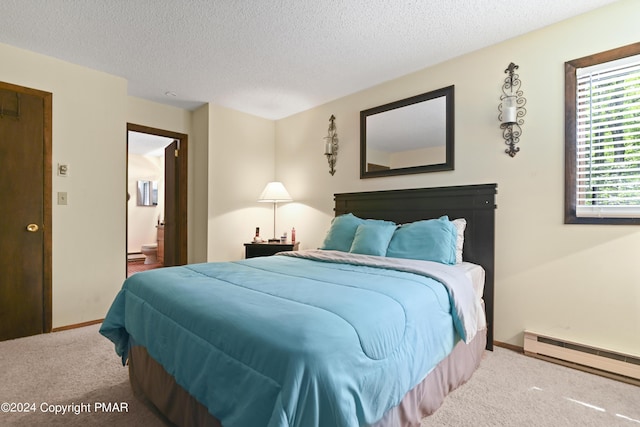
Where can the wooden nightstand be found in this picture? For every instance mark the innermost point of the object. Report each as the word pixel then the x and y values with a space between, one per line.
pixel 252 250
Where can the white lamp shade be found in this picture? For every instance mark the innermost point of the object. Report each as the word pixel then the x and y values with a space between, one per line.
pixel 275 192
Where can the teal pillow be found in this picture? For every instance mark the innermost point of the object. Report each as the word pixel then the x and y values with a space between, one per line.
pixel 342 232
pixel 373 237
pixel 429 240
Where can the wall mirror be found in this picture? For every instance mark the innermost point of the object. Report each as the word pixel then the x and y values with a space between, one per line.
pixel 412 135
pixel 147 193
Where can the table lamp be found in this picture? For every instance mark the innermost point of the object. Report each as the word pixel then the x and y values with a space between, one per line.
pixel 274 193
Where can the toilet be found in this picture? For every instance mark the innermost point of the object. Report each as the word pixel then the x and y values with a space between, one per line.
pixel 150 251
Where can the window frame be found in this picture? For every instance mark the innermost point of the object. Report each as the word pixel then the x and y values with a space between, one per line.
pixel 570 138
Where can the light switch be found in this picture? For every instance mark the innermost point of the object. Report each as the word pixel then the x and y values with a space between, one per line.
pixel 63 170
pixel 62 197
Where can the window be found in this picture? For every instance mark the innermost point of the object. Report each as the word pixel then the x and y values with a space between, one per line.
pixel 602 138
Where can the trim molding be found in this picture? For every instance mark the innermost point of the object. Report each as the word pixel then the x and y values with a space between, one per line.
pixel 77 325
pixel 508 346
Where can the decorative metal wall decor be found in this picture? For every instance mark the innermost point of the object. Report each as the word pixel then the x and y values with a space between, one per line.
pixel 331 145
pixel 511 110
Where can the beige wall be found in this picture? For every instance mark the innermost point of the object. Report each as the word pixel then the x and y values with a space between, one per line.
pixel 198 186
pixel 89 111
pixel 147 113
pixel 241 162
pixel 422 156
pixel 577 282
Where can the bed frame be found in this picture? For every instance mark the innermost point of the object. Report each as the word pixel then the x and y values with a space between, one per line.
pixel 475 203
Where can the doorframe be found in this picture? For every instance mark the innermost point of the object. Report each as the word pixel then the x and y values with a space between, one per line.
pixel 47 257
pixel 181 185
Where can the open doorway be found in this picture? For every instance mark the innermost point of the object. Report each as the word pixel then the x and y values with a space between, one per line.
pixel 156 198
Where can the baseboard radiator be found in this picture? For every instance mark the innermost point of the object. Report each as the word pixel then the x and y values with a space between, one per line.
pixel 612 364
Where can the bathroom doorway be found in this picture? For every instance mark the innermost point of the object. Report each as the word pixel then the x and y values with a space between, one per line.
pixel 156 198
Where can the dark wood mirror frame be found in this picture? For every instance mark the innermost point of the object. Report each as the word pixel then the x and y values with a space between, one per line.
pixel 448 164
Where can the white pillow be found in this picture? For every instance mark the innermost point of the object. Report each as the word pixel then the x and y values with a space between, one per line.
pixel 460 224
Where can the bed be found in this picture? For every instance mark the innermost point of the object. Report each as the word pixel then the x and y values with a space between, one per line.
pixel 320 337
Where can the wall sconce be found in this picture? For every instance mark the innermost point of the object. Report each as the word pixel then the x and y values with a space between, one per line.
pixel 511 110
pixel 331 145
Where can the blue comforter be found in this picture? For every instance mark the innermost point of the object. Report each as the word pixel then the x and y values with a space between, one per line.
pixel 288 341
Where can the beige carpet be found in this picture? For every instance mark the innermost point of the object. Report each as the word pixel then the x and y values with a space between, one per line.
pixel 510 389
pixel 78 370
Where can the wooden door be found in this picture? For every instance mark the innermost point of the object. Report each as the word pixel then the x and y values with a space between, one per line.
pixel 170 201
pixel 25 211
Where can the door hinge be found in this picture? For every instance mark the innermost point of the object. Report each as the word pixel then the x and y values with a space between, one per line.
pixel 176 152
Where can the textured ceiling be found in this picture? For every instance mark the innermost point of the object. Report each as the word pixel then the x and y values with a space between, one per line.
pixel 267 58
pixel 147 144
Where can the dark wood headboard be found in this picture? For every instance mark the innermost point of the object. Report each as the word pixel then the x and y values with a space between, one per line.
pixel 475 203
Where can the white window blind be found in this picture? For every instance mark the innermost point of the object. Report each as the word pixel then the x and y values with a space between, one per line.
pixel 608 139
